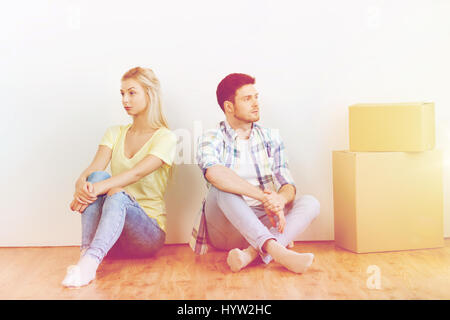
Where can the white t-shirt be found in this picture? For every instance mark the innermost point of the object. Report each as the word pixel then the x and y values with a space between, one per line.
pixel 244 167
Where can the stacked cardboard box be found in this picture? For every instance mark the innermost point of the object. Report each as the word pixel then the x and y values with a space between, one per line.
pixel 387 187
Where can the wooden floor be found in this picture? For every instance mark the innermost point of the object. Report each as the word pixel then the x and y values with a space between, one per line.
pixel 176 273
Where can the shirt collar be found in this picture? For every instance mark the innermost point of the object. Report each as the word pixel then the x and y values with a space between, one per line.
pixel 231 133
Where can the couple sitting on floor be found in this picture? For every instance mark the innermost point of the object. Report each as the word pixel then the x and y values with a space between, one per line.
pixel 250 209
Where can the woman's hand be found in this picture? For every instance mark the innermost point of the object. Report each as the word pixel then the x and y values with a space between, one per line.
pixel 93 190
pixel 99 188
pixel 88 189
pixel 77 206
pixel 84 192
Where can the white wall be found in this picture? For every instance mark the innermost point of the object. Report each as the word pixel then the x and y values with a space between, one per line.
pixel 61 62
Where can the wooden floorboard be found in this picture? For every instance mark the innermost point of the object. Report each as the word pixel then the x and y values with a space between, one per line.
pixel 176 273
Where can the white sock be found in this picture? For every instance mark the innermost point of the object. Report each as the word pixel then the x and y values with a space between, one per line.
pixel 82 273
pixel 238 259
pixel 294 261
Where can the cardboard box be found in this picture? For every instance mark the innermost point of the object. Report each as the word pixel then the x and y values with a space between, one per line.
pixel 407 127
pixel 387 201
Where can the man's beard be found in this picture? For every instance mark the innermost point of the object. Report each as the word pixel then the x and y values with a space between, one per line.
pixel 248 119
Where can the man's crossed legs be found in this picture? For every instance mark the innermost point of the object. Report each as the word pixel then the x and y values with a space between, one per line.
pixel 233 225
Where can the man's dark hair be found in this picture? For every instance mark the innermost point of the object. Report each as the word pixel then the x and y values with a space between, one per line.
pixel 226 90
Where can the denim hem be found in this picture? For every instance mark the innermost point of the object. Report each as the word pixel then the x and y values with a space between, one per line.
pixel 265 257
pixel 93 257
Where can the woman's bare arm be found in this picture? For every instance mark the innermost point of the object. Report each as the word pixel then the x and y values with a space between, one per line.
pixel 100 162
pixel 144 167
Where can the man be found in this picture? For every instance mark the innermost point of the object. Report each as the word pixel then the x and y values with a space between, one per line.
pixel 251 200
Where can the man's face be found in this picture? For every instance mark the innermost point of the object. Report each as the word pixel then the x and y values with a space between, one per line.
pixel 246 106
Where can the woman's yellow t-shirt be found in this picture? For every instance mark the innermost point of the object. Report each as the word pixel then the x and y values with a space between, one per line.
pixel 148 191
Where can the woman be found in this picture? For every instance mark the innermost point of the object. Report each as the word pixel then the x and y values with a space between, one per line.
pixel 126 210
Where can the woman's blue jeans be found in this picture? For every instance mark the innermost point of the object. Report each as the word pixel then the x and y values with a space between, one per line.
pixel 117 222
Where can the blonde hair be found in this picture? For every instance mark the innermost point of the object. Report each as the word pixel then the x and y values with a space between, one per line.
pixel 147 79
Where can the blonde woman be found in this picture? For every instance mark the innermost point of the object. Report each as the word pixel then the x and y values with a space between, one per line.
pixel 126 210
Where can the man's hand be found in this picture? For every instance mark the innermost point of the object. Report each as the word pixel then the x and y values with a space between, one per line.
pixel 281 219
pixel 273 201
pixel 274 206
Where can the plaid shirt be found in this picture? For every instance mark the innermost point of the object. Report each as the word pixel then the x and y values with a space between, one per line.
pixel 219 147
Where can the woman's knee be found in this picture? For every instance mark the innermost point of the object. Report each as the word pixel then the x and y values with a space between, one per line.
pixel 98 176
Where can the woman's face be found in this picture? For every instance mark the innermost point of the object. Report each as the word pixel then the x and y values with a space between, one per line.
pixel 134 98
